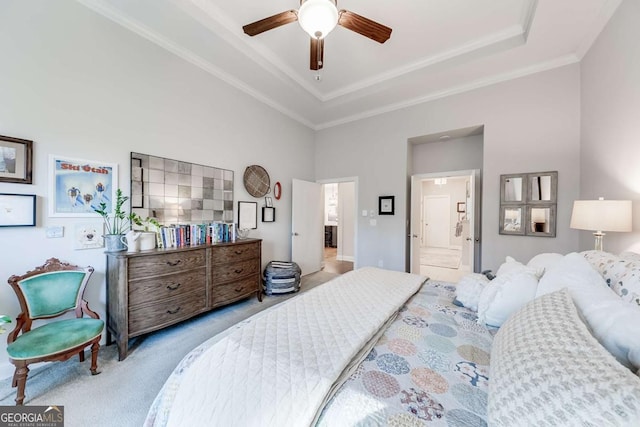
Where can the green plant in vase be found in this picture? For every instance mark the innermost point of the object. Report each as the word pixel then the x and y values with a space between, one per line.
pixel 116 224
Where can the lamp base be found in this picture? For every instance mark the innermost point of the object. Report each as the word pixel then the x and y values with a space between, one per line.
pixel 599 236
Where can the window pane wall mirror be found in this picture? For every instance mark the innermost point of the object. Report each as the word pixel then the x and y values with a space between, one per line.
pixel 528 204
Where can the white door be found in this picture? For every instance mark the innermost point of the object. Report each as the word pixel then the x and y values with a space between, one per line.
pixel 437 221
pixel 415 232
pixel 306 225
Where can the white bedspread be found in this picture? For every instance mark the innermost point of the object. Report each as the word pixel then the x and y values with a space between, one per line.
pixel 277 368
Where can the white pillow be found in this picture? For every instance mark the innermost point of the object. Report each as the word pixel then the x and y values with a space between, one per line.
pixel 544 262
pixel 614 322
pixel 506 294
pixel 469 288
pixel 510 265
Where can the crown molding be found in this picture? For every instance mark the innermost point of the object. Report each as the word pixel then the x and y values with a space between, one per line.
pixel 522 72
pixel 116 16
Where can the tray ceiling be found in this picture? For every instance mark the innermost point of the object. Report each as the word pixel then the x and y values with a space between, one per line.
pixel 437 48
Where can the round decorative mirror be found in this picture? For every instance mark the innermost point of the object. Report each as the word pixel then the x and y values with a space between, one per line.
pixel 256 181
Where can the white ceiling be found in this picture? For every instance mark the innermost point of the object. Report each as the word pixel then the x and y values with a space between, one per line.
pixel 437 48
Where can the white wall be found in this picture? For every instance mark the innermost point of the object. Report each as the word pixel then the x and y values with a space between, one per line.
pixel 81 86
pixel 531 124
pixel 610 122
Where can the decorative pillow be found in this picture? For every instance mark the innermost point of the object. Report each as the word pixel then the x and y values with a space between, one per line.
pixel 612 320
pixel 469 288
pixel 505 294
pixel 545 261
pixel 622 273
pixel 510 265
pixel 547 370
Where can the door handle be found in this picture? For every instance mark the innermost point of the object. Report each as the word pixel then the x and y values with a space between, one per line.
pixel 469 239
pixel 295 234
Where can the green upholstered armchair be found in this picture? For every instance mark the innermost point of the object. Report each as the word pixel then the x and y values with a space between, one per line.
pixel 48 292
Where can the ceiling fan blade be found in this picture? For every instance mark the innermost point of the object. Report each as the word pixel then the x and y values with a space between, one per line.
pixel 270 23
pixel 316 57
pixel 364 26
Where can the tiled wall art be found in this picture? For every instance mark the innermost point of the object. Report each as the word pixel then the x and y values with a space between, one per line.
pixel 176 192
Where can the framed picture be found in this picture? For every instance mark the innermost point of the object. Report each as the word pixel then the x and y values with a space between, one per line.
pixel 268 214
pixel 17 210
pixel 247 215
pixel 78 186
pixel 461 207
pixel 268 201
pixel 386 205
pixel 88 235
pixel 16 160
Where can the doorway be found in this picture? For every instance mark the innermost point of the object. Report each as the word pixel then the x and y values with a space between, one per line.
pixel 339 226
pixel 443 224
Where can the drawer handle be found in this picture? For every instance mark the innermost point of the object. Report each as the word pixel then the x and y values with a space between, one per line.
pixel 239 252
pixel 173 311
pixel 239 270
pixel 173 264
pixel 238 289
pixel 173 288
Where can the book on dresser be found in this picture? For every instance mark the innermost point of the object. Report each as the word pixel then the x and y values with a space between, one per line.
pixel 151 290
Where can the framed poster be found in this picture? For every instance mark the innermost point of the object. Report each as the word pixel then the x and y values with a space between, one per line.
pixel 78 186
pixel 17 210
pixel 16 157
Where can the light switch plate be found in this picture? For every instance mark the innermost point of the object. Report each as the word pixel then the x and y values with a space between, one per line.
pixel 373 222
pixel 365 213
pixel 55 232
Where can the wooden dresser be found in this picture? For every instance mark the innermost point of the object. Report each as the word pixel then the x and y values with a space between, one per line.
pixel 150 290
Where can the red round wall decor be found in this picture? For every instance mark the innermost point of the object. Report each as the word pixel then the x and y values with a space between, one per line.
pixel 277 190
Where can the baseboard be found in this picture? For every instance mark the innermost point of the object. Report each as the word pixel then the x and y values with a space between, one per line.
pixel 344 258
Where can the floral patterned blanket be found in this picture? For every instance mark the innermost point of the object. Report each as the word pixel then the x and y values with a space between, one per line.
pixel 430 368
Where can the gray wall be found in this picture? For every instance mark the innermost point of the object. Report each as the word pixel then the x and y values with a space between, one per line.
pixel 83 87
pixel 531 124
pixel 610 157
pixel 454 155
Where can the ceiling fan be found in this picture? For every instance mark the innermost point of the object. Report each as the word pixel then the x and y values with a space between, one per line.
pixel 318 18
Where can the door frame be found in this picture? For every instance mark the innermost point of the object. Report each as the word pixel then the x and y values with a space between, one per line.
pixel 476 197
pixel 353 179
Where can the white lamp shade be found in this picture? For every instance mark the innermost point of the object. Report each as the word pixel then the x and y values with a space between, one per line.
pixel 601 215
pixel 318 17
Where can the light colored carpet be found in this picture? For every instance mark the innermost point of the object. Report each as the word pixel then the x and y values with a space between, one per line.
pixel 123 392
pixel 440 257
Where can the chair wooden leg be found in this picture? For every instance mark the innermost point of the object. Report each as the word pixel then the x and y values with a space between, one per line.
pixel 81 355
pixel 94 358
pixel 20 380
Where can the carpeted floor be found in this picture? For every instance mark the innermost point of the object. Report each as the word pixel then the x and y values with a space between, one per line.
pixel 123 392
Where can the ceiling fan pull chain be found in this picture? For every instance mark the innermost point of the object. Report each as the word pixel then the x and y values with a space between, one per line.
pixel 318 58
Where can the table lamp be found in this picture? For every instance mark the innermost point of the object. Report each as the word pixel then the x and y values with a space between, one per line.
pixel 600 216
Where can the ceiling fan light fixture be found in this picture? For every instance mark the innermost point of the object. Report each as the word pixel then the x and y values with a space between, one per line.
pixel 318 17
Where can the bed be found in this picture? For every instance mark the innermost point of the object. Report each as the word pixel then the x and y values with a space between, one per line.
pixel 375 347
pixel 416 359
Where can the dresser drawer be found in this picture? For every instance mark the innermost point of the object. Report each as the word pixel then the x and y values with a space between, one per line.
pixel 158 288
pixel 149 317
pixel 235 290
pixel 238 270
pixel 154 265
pixel 233 253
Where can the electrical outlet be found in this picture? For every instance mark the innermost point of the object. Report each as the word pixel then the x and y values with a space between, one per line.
pixel 380 263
